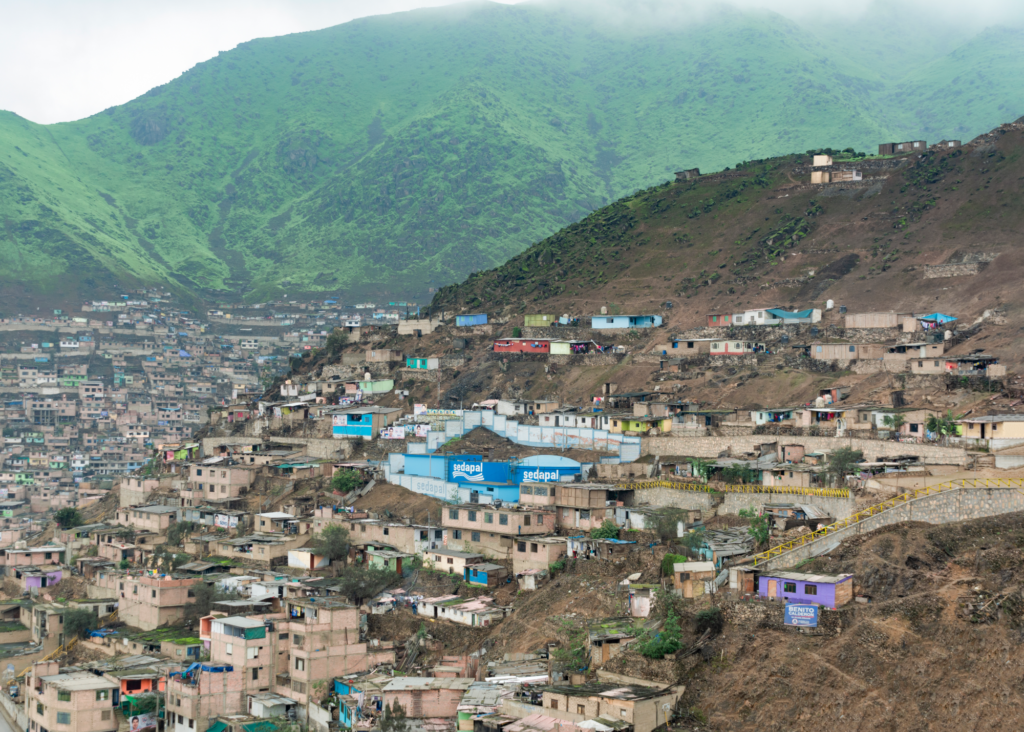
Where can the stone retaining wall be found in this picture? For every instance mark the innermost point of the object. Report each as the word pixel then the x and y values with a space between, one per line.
pixel 935 271
pixel 939 508
pixel 709 447
pixel 753 615
pixel 586 359
pixel 837 508
pixel 707 503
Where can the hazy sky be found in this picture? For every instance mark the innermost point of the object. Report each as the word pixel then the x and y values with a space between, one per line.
pixel 66 59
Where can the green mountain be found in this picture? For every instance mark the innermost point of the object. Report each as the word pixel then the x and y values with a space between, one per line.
pixel 398 153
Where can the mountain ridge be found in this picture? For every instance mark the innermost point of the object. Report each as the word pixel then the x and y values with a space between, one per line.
pixel 396 154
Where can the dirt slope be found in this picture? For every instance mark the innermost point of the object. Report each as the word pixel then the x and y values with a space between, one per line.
pixel 909 660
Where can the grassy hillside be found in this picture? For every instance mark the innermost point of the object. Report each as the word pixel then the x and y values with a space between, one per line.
pixel 398 153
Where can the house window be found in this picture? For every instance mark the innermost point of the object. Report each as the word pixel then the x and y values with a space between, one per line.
pixel 423 536
pixel 300 664
pixel 554 703
pixel 789 586
pixel 49 555
pixel 39 708
pixel 853 348
pixel 581 709
pixel 456 534
pixel 810 589
pixel 914 427
pixel 503 519
pixel 453 513
pixel 63 717
pixel 362 528
pixel 199 472
pixel 472 515
pixel 526 520
pixel 228 648
pixel 920 364
pixel 533 548
pixel 103 695
pixel 63 696
pixel 438 534
pixel 475 536
pixel 451 561
pixel 936 363
pixel 191 593
pixel 191 724
pixel 540 521
pixel 252 652
pixel 255 674
pixel 488 518
pixel 282 636
pixel 154 593
pixel 386 531
pixel 609 320
pixel 521 546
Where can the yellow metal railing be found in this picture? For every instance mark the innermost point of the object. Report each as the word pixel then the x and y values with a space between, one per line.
pixel 887 505
pixel 770 489
pixel 65 647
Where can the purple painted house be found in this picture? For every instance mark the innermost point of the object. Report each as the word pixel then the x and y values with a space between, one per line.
pixel 827 590
pixel 39 579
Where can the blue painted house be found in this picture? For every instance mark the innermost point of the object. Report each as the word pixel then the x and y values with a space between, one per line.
pixel 608 322
pixel 484 575
pixel 464 320
pixel 359 697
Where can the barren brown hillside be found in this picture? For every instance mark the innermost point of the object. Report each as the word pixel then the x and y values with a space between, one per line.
pixel 763 236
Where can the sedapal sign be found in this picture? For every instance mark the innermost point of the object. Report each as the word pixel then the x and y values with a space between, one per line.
pixel 801 616
pixel 467 471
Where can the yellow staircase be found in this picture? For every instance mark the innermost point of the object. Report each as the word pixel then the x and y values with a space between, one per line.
pixel 67 646
pixel 888 505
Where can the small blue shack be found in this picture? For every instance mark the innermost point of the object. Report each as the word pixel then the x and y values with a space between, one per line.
pixel 464 320
pixel 484 575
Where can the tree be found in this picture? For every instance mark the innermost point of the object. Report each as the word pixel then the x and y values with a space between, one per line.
pixel 702 468
pixel 68 518
pixel 78 622
pixel 669 640
pixel 841 463
pixel 394 719
pixel 757 525
pixel 607 530
pixel 345 481
pixel 735 474
pixel 665 522
pixel 360 583
pixel 945 426
pixel 710 619
pixel 206 595
pixel 124 564
pixel 335 342
pixel 693 540
pixel 571 654
pixel 332 542
pixel 894 422
pixel 177 533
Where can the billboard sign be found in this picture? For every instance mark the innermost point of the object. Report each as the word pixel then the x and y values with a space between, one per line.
pixel 140 722
pixel 462 470
pixel 802 616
